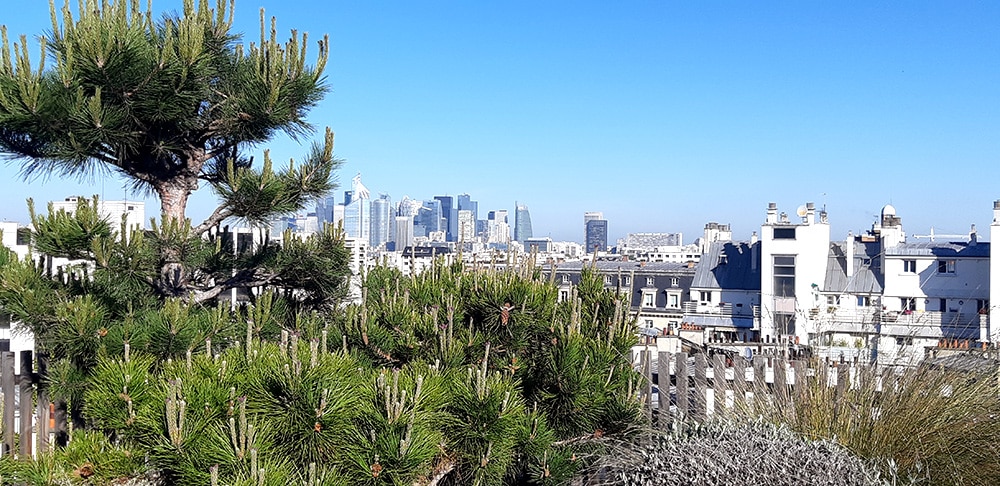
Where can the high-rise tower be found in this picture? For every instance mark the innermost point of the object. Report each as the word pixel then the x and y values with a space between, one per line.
pixel 522 223
pixel 382 220
pixel 357 211
pixel 595 232
pixel 449 212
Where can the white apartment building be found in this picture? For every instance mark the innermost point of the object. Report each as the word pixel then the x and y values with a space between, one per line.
pixel 134 212
pixel 876 296
pixel 793 267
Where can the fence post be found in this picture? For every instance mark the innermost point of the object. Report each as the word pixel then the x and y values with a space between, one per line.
pixel 801 378
pixel 683 395
pixel 759 381
pixel 740 383
pixel 700 387
pixel 718 383
pixel 7 383
pixel 843 377
pixel 663 379
pixel 645 360
pixel 43 412
pixel 780 379
pixel 26 404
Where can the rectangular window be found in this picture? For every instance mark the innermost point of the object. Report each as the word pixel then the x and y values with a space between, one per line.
pixel 4 320
pixel 626 281
pixel 983 306
pixel 864 301
pixel 705 296
pixel 563 295
pixel 784 276
pixel 833 300
pixel 564 279
pixel 909 266
pixel 648 299
pixel 908 303
pixel 943 305
pixel 784 233
pixel 674 300
pixel 607 280
pixel 650 282
pixel 674 281
pixel 946 266
pixel 784 323
pixel 23 236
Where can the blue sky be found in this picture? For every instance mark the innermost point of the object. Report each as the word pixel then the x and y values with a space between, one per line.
pixel 663 115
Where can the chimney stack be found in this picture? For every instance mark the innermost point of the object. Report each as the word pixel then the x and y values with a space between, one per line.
pixel 772 213
pixel 850 254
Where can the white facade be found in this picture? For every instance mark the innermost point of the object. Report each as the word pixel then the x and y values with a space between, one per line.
pixel 9 231
pixel 466 226
pixel 17 339
pixel 404 232
pixel 793 267
pixel 498 230
pixel 992 329
pixel 134 212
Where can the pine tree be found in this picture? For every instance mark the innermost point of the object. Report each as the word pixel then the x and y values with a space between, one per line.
pixel 170 104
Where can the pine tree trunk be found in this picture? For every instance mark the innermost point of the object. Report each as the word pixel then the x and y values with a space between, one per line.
pixel 174 195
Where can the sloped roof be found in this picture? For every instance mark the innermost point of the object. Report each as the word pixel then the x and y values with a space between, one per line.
pixel 941 249
pixel 729 265
pixel 605 267
pixel 866 279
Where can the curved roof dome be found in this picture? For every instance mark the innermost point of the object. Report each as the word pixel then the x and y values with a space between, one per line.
pixel 888 210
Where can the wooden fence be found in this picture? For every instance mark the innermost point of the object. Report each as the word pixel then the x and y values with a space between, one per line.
pixel 699 385
pixel 30 422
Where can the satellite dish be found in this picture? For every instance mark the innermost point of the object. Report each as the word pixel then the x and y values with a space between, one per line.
pixel 801 211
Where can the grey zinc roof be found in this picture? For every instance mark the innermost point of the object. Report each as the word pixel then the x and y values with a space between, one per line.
pixel 941 249
pixel 737 271
pixel 866 280
pixel 611 267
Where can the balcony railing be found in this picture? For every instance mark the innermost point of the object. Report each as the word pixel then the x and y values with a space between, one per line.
pixel 930 324
pixel 724 309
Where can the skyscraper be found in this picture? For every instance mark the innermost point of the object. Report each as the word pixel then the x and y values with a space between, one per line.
pixel 596 232
pixel 404 232
pixel 466 226
pixel 498 230
pixel 465 203
pixel 522 223
pixel 428 219
pixel 450 214
pixel 588 217
pixel 357 211
pixel 382 221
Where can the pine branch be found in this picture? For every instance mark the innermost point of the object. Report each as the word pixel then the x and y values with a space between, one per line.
pixel 218 216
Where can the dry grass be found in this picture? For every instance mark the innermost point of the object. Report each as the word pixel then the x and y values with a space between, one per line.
pixel 925 425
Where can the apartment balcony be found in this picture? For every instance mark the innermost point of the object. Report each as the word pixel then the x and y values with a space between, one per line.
pixel 724 315
pixel 919 324
pixel 723 309
pixel 929 324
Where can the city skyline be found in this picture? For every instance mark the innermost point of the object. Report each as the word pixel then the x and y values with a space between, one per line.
pixel 663 116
